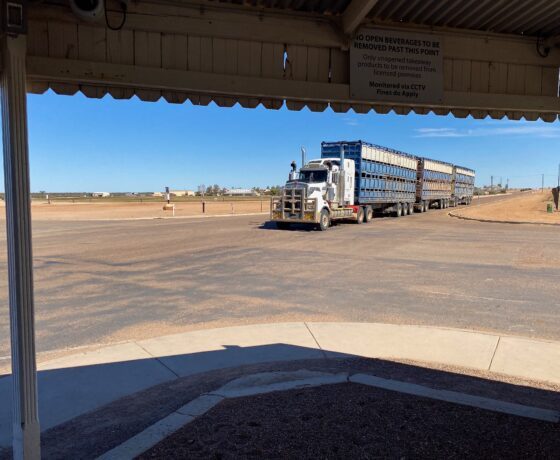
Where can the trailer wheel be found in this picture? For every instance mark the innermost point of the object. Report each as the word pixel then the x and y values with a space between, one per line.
pixel 360 215
pixel 324 220
pixel 426 206
pixel 368 214
pixel 398 212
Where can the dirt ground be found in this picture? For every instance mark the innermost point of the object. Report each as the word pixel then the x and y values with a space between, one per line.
pixel 354 421
pixel 523 207
pixel 57 211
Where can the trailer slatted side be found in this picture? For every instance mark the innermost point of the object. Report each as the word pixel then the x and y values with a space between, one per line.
pixel 435 180
pixel 463 184
pixel 383 175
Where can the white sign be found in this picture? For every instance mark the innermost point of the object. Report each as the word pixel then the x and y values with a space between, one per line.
pixel 396 66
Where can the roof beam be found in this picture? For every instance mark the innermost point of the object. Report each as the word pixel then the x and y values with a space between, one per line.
pixel 77 74
pixel 355 13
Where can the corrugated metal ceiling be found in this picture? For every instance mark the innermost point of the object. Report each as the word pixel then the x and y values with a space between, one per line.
pixel 330 7
pixel 523 17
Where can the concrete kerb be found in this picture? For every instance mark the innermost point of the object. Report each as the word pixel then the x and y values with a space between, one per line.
pixel 203 216
pixel 491 221
pixel 77 384
pixel 263 383
pixel 455 214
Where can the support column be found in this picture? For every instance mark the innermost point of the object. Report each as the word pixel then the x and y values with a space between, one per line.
pixel 26 433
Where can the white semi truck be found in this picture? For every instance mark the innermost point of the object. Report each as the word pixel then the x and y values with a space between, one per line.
pixel 353 180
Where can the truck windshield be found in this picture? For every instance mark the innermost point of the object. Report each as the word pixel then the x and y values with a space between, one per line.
pixel 313 176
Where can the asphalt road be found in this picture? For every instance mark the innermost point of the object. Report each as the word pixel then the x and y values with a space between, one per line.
pixel 101 282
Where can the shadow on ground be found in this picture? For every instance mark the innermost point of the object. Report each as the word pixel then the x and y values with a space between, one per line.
pixel 156 387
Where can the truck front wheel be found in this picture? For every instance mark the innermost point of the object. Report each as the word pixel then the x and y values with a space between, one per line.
pixel 368 214
pixel 324 220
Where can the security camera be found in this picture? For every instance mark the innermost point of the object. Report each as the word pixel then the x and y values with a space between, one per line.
pixel 88 10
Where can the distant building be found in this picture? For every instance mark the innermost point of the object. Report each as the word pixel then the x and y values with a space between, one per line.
pixel 182 192
pixel 157 194
pixel 241 192
pixel 100 194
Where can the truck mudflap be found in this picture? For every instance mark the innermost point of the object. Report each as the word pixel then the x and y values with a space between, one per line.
pixel 294 206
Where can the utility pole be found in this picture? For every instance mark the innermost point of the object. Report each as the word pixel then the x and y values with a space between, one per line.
pixel 302 157
pixel 507 183
pixel 491 183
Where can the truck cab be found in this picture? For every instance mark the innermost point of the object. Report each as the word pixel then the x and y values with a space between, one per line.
pixel 322 190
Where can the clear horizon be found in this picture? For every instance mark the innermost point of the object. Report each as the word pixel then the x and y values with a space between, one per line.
pixel 88 145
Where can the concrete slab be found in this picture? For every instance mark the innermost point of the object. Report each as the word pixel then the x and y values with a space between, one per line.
pixel 201 351
pixel 278 381
pixel 429 344
pixel 71 386
pixel 126 351
pixel 200 405
pixel 528 358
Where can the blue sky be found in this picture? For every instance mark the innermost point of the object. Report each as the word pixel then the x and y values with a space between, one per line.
pixel 79 144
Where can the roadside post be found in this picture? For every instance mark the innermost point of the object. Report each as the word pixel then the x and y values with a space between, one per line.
pixel 201 189
pixel 555 196
pixel 168 206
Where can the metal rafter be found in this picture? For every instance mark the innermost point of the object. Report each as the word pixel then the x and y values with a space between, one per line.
pixel 355 13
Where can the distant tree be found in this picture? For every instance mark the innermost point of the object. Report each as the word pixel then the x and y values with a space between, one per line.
pixel 275 190
pixel 209 190
pixel 216 189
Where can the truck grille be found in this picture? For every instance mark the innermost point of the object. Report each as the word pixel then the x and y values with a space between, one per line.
pixel 293 204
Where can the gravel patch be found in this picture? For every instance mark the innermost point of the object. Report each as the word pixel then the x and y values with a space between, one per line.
pixel 357 422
